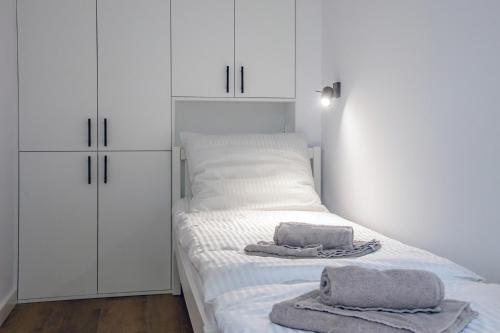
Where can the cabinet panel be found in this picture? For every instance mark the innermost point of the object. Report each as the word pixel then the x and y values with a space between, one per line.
pixel 265 47
pixel 134 221
pixel 134 74
pixel 57 74
pixel 202 47
pixel 57 225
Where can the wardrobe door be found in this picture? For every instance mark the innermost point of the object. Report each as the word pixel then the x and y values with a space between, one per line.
pixel 265 48
pixel 134 221
pixel 203 48
pixel 134 74
pixel 57 75
pixel 57 224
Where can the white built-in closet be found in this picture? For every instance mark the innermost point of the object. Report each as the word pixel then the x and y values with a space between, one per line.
pixel 95 126
pixel 227 48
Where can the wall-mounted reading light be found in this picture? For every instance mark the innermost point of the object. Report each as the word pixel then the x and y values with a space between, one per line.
pixel 328 93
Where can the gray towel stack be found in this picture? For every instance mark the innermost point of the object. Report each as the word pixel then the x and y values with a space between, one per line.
pixel 453 318
pixel 293 240
pixel 353 299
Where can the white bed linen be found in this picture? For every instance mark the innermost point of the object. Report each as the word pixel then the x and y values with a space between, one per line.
pixel 215 240
pixel 250 171
pixel 247 310
pixel 208 308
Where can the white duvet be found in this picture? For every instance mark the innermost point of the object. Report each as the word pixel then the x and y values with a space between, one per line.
pixel 214 242
pixel 247 310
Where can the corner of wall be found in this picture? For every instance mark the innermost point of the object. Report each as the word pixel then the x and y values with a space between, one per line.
pixel 7 305
pixel 8 158
pixel 308 69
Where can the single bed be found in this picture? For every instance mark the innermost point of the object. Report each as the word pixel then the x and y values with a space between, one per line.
pixel 185 274
pixel 212 266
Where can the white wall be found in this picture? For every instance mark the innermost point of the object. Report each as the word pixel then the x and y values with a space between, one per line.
pixel 413 147
pixel 308 75
pixel 8 152
pixel 219 117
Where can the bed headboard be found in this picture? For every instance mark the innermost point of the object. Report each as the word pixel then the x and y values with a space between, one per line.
pixel 180 179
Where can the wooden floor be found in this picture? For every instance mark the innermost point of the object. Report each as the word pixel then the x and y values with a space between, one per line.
pixel 148 314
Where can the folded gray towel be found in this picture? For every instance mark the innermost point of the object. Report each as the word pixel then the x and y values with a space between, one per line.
pixel 270 249
pixel 303 234
pixel 397 290
pixel 306 312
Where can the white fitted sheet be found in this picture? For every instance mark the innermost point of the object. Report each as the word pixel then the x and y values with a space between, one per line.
pixel 197 285
pixel 214 242
pixel 247 310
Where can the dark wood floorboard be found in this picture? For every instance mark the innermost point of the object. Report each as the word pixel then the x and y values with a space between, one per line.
pixel 139 314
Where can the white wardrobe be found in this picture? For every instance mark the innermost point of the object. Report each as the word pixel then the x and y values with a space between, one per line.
pixel 97 79
pixel 95 208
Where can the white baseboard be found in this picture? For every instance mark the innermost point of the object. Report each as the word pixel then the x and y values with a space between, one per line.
pixel 75 297
pixel 7 305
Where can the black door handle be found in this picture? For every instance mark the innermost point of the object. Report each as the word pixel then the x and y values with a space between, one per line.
pixel 105 169
pixel 227 79
pixel 89 170
pixel 242 79
pixel 89 132
pixel 105 132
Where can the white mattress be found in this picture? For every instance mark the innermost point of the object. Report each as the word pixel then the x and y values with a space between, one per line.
pixel 247 310
pixel 214 242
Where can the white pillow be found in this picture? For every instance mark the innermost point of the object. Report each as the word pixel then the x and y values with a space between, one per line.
pixel 253 171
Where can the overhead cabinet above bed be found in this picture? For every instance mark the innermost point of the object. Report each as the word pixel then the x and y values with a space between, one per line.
pixel 233 48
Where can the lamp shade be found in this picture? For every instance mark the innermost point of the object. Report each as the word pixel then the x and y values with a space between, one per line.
pixel 328 93
pixel 326 96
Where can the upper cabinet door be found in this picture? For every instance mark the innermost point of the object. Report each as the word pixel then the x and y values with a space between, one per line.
pixel 203 48
pixel 134 74
pixel 265 48
pixel 57 74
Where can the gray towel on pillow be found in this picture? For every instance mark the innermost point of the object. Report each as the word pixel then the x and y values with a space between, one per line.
pixel 396 290
pixel 297 314
pixel 270 249
pixel 304 234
